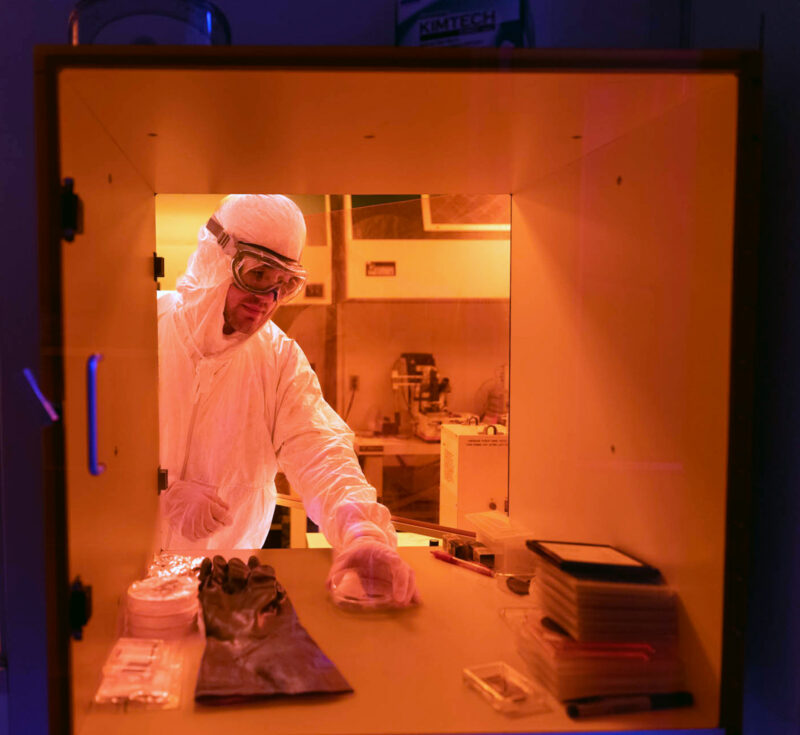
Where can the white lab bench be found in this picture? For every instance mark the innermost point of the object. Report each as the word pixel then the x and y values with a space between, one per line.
pixel 405 667
pixel 381 445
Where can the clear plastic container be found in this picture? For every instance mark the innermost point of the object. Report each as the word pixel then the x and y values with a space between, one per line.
pixel 518 585
pixel 148 22
pixel 506 689
pixel 506 539
pixel 141 673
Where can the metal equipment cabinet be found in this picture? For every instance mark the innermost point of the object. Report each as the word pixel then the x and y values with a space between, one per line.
pixel 633 179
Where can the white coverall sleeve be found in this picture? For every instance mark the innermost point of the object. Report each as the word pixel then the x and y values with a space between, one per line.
pixel 315 451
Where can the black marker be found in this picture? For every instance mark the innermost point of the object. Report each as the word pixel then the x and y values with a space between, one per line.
pixel 614 705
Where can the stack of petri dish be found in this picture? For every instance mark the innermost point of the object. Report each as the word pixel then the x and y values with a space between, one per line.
pixel 162 607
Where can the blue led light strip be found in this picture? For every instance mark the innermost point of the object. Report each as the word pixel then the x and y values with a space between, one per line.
pixel 95 467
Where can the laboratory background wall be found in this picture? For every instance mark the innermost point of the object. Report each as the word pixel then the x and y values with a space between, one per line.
pixel 773 634
pixel 468 339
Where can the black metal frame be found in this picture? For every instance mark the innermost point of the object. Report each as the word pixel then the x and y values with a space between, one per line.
pixel 746 65
pixel 742 390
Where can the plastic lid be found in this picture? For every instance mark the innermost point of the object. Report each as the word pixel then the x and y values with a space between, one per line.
pixel 496 524
pixel 350 592
pixel 175 590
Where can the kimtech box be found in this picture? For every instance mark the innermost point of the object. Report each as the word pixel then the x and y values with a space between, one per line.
pixel 463 23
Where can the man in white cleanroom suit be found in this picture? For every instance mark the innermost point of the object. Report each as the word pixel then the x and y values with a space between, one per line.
pixel 238 401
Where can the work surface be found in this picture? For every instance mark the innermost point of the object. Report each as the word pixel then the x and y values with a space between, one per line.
pixel 405 667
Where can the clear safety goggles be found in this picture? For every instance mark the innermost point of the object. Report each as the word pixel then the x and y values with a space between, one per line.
pixel 258 269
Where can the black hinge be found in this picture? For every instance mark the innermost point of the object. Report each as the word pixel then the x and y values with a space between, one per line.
pixel 163 480
pixel 71 211
pixel 158 267
pixel 80 607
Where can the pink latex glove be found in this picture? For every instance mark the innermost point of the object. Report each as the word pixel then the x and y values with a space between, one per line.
pixel 369 574
pixel 195 510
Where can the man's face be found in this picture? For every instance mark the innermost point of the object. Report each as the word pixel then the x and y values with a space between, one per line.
pixel 247 312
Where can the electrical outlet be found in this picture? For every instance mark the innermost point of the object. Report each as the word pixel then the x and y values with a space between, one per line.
pixel 314 290
pixel 354 382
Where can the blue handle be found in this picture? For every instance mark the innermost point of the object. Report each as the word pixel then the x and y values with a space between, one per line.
pixel 95 467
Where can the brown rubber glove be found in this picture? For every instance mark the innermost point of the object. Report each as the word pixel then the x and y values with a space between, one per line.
pixel 255 645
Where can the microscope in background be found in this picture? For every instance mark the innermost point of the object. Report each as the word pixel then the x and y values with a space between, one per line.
pixel 422 394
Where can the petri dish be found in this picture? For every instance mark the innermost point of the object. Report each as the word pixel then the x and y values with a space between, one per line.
pixel 350 592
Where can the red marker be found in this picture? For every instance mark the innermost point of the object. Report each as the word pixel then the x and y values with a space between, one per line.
pixel 474 566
